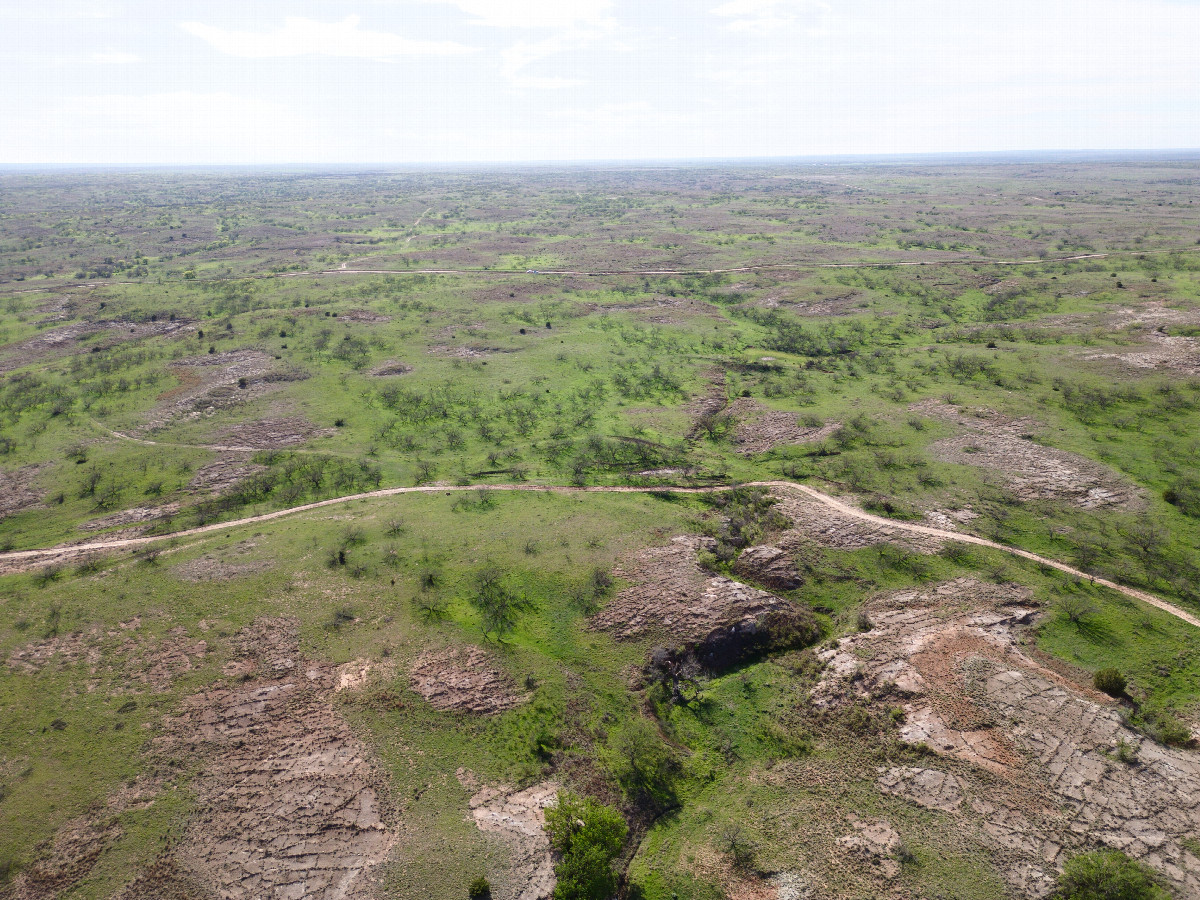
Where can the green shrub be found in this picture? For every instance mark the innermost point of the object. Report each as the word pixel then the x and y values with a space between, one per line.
pixel 480 889
pixel 1110 681
pixel 1107 875
pixel 588 835
pixel 1184 494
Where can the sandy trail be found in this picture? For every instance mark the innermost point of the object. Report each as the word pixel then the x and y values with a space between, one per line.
pixel 416 223
pixel 31 556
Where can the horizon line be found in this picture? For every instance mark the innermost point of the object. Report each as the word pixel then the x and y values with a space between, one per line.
pixel 614 162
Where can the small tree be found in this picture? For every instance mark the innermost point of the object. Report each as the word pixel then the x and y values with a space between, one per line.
pixel 644 765
pixel 497 605
pixel 1076 609
pixel 588 836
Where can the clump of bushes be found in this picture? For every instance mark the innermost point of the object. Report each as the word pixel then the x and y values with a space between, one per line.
pixel 1110 681
pixel 479 889
pixel 588 836
pixel 1107 875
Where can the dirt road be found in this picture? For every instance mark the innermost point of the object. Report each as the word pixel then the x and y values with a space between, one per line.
pixel 21 559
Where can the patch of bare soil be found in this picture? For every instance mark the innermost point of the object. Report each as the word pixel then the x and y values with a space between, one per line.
pixel 155 664
pixel 1037 772
pixel 290 803
pixel 463 678
pixel 925 787
pixel 760 428
pixel 211 568
pixel 1146 323
pixel 1159 350
pixel 270 434
pixel 1031 471
pixel 363 315
pixel 830 306
pixel 874 845
pixel 717 618
pixel 391 367
pixel 136 516
pixel 65 649
pixel 516 818
pixel 68 857
pixel 68 339
pixel 147 663
pixel 211 382
pixel 473 351
pixel 950 519
pixel 662 310
pixel 814 525
pixel 223 473
pixel 17 491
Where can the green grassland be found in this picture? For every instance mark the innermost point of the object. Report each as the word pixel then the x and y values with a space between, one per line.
pixel 508 377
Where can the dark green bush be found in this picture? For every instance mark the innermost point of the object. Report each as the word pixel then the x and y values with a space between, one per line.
pixel 1110 681
pixel 1107 875
pixel 479 889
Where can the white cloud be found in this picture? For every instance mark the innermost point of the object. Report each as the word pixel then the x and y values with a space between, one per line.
pixel 61 10
pixel 114 57
pixel 536 14
pixel 182 126
pixel 573 25
pixel 309 37
pixel 765 17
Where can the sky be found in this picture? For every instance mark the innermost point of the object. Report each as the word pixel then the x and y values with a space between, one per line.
pixel 261 82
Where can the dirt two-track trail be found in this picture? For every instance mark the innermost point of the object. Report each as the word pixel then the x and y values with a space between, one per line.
pixel 32 557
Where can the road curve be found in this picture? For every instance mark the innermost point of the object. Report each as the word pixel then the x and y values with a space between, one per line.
pixel 50 554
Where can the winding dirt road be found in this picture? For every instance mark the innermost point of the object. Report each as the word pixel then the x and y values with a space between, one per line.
pixel 18 560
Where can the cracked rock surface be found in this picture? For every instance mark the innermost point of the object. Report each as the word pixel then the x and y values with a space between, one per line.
pixel 290 803
pixel 1037 771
